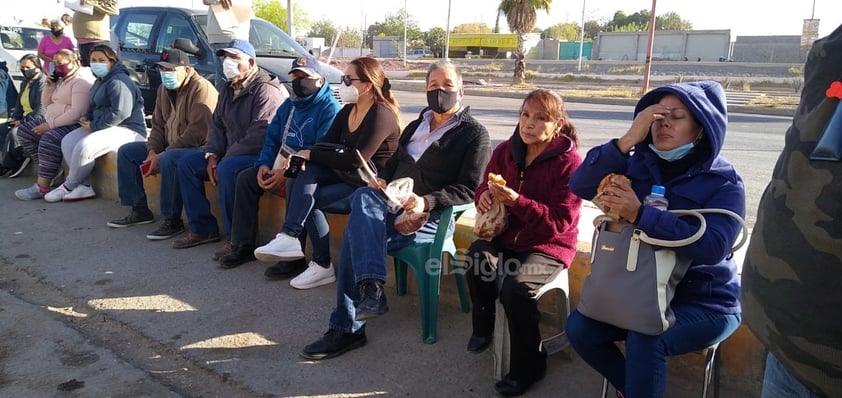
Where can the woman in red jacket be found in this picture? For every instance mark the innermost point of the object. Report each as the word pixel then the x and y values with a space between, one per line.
pixel 539 240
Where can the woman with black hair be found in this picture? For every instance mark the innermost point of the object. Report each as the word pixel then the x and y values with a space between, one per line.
pixel 28 108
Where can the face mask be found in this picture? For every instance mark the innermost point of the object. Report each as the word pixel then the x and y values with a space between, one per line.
pixel 441 101
pixel 348 94
pixel 63 70
pixel 169 80
pixel 99 69
pixel 231 68
pixel 29 74
pixel 304 87
pixel 56 32
pixel 673 154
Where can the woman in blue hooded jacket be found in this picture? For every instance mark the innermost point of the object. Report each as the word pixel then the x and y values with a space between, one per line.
pixel 674 141
pixel 115 117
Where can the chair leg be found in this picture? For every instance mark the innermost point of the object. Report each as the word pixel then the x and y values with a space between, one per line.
pixel 604 388
pixel 710 364
pixel 400 277
pixel 428 297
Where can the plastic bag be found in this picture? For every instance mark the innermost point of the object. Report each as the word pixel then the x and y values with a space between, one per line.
pixel 491 223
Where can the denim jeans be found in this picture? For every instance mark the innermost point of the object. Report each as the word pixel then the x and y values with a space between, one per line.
pixel 314 191
pixel 192 174
pixel 642 371
pixel 779 383
pixel 367 238
pixel 130 181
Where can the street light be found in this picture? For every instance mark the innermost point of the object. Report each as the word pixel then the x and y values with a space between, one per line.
pixel 446 54
pixel 582 37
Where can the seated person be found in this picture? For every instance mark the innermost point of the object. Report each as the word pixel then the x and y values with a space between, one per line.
pixel 28 108
pixel 370 124
pixel 181 120
pixel 676 136
pixel 244 110
pixel 66 99
pixel 538 161
pixel 114 118
pixel 300 121
pixel 444 151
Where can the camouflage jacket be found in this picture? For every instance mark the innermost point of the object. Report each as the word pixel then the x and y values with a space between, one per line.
pixel 792 276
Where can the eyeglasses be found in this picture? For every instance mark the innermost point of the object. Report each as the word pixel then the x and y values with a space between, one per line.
pixel 345 79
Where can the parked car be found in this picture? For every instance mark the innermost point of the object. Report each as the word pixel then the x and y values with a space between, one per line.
pixel 17 41
pixel 143 32
pixel 419 53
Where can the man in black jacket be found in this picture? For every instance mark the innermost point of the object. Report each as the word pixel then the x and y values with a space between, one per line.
pixel 444 151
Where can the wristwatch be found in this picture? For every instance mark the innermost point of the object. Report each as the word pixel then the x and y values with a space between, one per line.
pixel 208 155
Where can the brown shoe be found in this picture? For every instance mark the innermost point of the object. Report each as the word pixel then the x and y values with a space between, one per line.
pixel 195 240
pixel 223 251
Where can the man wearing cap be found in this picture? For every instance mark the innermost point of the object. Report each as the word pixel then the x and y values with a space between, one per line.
pixel 300 121
pixel 227 20
pixel 245 107
pixel 180 124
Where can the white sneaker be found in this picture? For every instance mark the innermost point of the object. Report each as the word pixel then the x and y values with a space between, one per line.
pixel 57 195
pixel 31 193
pixel 315 275
pixel 282 248
pixel 79 193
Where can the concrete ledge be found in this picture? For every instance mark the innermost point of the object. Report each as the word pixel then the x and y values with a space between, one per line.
pixel 742 355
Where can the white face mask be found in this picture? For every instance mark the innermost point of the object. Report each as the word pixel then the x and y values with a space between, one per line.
pixel 348 94
pixel 231 68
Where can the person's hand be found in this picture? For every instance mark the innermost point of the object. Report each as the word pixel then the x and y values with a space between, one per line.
pixel 14 123
pixel 620 197
pixel 484 203
pixel 226 4
pixel 503 194
pixel 152 158
pixel 377 183
pixel 270 180
pixel 41 128
pixel 85 123
pixel 212 161
pixel 414 204
pixel 640 126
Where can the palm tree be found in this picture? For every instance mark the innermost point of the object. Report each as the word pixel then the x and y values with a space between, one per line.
pixel 522 16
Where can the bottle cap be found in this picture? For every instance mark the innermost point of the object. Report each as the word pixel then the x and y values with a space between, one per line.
pixel 659 190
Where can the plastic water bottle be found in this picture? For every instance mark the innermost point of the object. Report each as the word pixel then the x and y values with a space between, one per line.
pixel 656 199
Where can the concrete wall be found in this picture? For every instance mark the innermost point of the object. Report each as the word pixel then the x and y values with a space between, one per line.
pixel 709 45
pixel 780 49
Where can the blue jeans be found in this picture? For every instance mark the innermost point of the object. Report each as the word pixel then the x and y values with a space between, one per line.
pixel 314 191
pixel 130 181
pixel 192 174
pixel 642 371
pixel 368 236
pixel 779 383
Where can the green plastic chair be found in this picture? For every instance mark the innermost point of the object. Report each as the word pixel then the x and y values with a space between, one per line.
pixel 428 273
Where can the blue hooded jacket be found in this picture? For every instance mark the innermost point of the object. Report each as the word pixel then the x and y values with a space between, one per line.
pixel 311 120
pixel 116 101
pixel 712 280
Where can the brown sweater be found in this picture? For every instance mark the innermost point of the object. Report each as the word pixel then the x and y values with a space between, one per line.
pixel 186 122
pixel 94 26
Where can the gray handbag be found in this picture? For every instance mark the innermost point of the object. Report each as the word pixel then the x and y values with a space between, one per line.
pixel 633 277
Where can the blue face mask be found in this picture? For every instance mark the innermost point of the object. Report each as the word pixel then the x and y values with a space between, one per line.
pixel 99 69
pixel 673 154
pixel 169 80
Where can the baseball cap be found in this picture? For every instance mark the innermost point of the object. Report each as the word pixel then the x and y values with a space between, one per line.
pixel 237 46
pixel 308 65
pixel 172 57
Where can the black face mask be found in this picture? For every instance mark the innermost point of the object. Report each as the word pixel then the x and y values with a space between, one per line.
pixel 30 73
pixel 441 101
pixel 56 32
pixel 304 87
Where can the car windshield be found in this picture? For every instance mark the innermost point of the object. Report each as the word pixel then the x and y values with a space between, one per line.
pixel 266 38
pixel 20 38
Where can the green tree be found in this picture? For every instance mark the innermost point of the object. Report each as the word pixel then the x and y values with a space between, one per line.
pixel 323 29
pixel 639 21
pixel 521 15
pixel 350 38
pixel 592 29
pixel 562 32
pixel 275 13
pixel 392 25
pixel 672 21
pixel 472 28
pixel 434 38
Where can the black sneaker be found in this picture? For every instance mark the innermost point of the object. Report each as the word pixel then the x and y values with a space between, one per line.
pixel 136 217
pixel 333 344
pixel 25 162
pixel 372 300
pixel 169 228
pixel 286 269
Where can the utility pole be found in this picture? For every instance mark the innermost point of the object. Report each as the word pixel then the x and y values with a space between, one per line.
pixel 404 33
pixel 647 67
pixel 290 28
pixel 582 37
pixel 446 54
